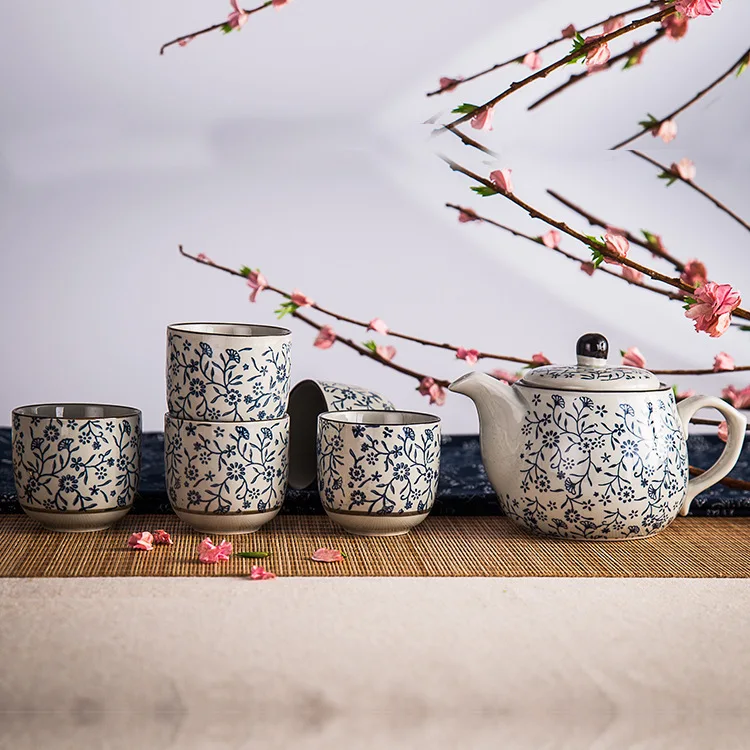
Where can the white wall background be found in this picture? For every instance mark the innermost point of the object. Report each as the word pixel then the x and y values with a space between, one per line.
pixel 297 146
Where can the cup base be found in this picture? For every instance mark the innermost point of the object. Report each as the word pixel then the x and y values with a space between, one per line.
pixel 366 524
pixel 76 522
pixel 226 524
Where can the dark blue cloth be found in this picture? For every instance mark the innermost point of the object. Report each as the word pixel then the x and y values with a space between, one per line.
pixel 464 488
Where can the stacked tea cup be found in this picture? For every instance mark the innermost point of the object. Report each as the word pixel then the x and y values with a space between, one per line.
pixel 226 432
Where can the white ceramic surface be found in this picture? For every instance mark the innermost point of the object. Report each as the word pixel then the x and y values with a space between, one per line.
pixel 226 478
pixel 309 399
pixel 227 372
pixel 378 471
pixel 76 466
pixel 574 453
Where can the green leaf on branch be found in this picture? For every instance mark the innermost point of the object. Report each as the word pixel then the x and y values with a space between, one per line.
pixel 286 308
pixel 465 109
pixel 651 239
pixel 578 44
pixel 632 61
pixel 670 177
pixel 744 328
pixel 743 66
pixel 226 29
pixel 674 390
pixel 253 555
pixel 596 258
pixel 595 242
pixel 651 123
pixel 245 271
pixel 483 190
pixel 689 302
pixel 371 345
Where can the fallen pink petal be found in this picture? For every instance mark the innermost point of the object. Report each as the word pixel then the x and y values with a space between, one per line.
pixel 208 552
pixel 327 555
pixel 162 537
pixel 142 540
pixel 259 573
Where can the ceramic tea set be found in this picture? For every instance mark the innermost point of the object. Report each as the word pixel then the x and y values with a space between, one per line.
pixel 586 452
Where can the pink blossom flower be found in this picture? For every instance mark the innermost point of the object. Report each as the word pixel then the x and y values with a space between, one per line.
pixel 470 355
pixel 613 24
pixel 723 431
pixel 466 214
pixel 617 245
pixel 615 230
pixel 257 282
pixel 500 178
pixel 386 352
pixel 326 338
pixel 540 359
pixel 723 361
pixel 301 300
pixel 588 268
pixel 568 32
pixel 237 18
pixel 633 358
pixel 327 555
pixel 598 54
pixel 738 399
pixel 162 537
pixel 428 387
pixel 551 239
pixel 675 26
pixel 143 540
pixel 532 60
pixel 184 43
pixel 208 552
pixel 259 573
pixel 505 376
pixel 694 8
pixel 685 168
pixel 447 84
pixel 685 394
pixel 695 273
pixel 666 130
pixel 630 274
pixel 279 3
pixel 482 120
pixel 203 258
pixel 712 310
pixel 378 325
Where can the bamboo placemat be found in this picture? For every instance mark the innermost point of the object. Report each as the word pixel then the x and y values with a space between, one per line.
pixel 441 546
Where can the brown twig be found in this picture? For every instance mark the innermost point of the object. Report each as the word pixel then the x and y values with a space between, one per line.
pixel 576 77
pixel 673 173
pixel 360 323
pixel 734 484
pixel 629 236
pixel 738 368
pixel 519 58
pixel 655 126
pixel 570 256
pixel 220 25
pixel 544 72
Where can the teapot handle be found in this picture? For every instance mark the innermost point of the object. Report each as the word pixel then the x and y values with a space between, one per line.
pixel 736 424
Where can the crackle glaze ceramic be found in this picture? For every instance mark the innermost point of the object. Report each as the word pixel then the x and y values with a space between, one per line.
pixel 309 399
pixel 227 372
pixel 226 478
pixel 378 470
pixel 592 452
pixel 76 466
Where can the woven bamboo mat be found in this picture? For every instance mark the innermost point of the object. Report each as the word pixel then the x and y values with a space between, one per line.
pixel 441 546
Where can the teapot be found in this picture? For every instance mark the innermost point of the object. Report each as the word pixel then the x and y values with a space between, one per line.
pixel 591 451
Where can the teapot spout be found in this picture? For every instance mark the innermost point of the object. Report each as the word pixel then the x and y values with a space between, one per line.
pixel 501 407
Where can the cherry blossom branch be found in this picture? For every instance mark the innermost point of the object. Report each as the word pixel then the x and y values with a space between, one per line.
pixel 736 368
pixel 185 38
pixel 735 484
pixel 629 236
pixel 361 323
pixel 675 173
pixel 577 77
pixel 456 82
pixel 570 256
pixel 654 126
pixel 570 57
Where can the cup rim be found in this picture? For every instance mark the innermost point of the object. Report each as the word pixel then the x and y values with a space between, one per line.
pixel 111 411
pixel 240 423
pixel 260 331
pixel 369 417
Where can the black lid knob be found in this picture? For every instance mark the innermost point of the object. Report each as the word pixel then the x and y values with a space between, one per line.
pixel 592 345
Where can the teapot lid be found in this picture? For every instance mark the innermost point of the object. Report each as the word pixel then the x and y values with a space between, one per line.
pixel 591 373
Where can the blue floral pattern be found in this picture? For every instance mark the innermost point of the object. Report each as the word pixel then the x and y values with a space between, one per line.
pixel 602 375
pixel 341 397
pixel 227 384
pixel 74 464
pixel 226 468
pixel 378 469
pixel 590 472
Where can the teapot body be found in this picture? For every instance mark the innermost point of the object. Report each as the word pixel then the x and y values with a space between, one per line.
pixel 591 465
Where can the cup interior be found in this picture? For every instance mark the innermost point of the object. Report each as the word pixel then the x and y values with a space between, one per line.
pixel 77 411
pixel 306 402
pixel 380 417
pixel 230 329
